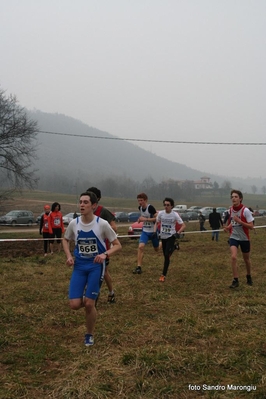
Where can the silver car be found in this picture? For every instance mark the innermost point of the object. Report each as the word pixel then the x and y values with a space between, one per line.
pixel 18 217
pixel 70 216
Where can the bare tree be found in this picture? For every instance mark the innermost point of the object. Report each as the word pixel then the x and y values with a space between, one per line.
pixel 263 189
pixel 17 146
pixel 254 189
pixel 226 187
pixel 215 187
pixel 188 190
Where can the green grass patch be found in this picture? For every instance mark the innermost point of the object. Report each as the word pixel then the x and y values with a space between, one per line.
pixel 156 341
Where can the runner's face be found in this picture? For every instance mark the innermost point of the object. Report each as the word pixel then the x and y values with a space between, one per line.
pixel 167 207
pixel 85 205
pixel 235 199
pixel 142 202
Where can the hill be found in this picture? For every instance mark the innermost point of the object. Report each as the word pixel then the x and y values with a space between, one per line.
pixel 72 154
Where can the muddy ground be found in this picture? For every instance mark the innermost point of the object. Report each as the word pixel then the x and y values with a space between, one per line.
pixel 16 249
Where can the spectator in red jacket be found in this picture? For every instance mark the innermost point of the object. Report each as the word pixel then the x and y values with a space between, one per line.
pixel 57 224
pixel 46 228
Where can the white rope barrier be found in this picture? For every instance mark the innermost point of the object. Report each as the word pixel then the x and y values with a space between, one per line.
pixel 131 236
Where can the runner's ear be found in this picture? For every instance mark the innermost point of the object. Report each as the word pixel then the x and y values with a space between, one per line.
pixel 94 206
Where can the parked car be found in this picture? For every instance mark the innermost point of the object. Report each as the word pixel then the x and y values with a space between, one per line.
pixel 121 217
pixel 262 212
pixel 38 218
pixel 192 215
pixel 133 216
pixel 67 218
pixel 180 208
pixel 256 213
pixel 183 215
pixel 18 217
pixel 194 208
pixel 135 229
pixel 206 210
pixel 221 210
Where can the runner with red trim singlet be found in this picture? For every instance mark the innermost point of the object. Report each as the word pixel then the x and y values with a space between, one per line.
pixel 105 214
pixel 239 223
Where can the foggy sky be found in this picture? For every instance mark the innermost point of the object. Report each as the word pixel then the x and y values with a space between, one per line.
pixel 185 70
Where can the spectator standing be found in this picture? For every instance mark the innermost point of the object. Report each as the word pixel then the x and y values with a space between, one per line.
pixel 148 216
pixel 105 214
pixel 201 221
pixel 89 234
pixel 239 223
pixel 168 220
pixel 46 228
pixel 216 222
pixel 226 217
pixel 57 226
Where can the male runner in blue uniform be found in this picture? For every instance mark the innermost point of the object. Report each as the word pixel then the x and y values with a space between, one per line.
pixel 89 233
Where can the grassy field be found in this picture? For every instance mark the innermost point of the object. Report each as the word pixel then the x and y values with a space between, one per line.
pixel 179 339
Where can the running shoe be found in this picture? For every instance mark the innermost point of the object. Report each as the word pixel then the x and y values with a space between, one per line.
pixel 137 270
pixel 234 284
pixel 89 340
pixel 111 298
pixel 162 279
pixel 249 280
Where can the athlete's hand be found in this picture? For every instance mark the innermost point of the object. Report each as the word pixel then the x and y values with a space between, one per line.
pixel 237 219
pixel 70 261
pixel 142 219
pixel 226 228
pixel 100 258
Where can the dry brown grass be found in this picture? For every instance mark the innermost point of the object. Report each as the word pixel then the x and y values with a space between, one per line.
pixel 152 343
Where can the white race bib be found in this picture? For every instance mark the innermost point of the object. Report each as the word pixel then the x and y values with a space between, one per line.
pixel 88 247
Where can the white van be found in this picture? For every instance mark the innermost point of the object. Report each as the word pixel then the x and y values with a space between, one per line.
pixel 180 208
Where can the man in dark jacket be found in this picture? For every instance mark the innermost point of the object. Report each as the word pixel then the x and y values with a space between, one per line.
pixel 216 222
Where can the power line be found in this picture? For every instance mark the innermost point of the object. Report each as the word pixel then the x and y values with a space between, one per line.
pixel 149 141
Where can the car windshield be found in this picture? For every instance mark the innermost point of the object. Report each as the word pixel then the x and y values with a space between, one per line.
pixel 12 213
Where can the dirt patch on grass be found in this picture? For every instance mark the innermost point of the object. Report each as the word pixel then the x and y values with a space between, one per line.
pixel 20 248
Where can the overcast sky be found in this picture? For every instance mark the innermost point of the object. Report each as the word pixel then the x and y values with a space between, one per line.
pixel 183 70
